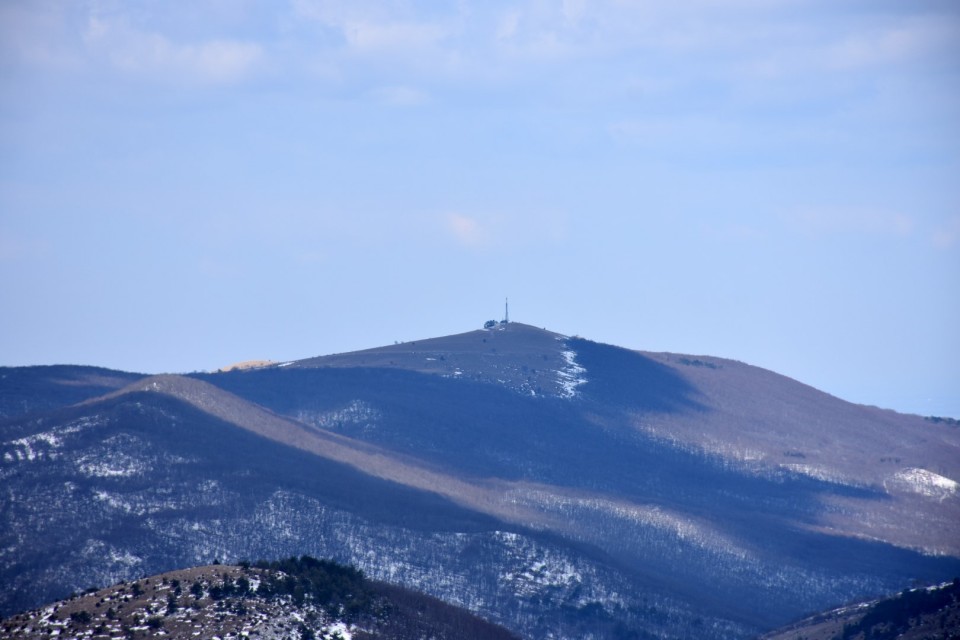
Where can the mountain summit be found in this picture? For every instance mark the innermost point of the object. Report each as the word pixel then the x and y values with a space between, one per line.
pixel 555 485
pixel 518 356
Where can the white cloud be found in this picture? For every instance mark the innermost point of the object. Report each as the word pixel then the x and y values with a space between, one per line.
pixel 891 44
pixel 508 229
pixel 222 60
pixel 466 230
pixel 853 46
pixel 508 25
pixel 337 14
pixel 769 39
pixel 701 43
pixel 540 31
pixel 397 36
pixel 146 40
pixel 575 28
pixel 135 51
pixel 376 26
pixel 573 10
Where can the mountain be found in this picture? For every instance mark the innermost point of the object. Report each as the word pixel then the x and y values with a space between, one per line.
pixel 299 597
pixel 558 486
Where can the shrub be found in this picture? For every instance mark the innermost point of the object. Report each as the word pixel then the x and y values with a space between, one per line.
pixel 81 617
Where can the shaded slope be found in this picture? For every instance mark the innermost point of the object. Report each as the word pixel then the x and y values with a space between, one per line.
pixel 914 614
pixel 127 469
pixel 25 390
pixel 619 379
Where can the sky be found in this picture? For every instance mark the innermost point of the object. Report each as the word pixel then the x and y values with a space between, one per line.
pixel 186 185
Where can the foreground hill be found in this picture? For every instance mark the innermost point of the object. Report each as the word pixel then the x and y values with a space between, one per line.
pixel 932 613
pixel 300 598
pixel 555 485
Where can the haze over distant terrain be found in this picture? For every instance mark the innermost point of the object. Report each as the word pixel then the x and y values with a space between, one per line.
pixel 185 186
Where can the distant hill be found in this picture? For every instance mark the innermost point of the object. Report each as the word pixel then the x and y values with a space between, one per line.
pixel 25 390
pixel 301 598
pixel 555 485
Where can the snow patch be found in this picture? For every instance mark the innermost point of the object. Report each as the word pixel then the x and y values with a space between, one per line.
pixel 124 558
pixel 338 627
pixel 818 473
pixel 926 483
pixel 533 570
pixel 40 446
pixel 356 412
pixel 119 467
pixel 111 500
pixel 570 376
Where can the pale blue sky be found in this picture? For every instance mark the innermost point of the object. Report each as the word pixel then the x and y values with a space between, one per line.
pixel 184 185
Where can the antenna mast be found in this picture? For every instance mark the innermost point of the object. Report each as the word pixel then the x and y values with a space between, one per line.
pixel 506 311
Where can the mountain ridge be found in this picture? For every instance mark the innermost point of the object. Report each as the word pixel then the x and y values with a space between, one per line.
pixel 552 483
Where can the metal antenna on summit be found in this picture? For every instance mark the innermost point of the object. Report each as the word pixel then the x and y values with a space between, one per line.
pixel 506 311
